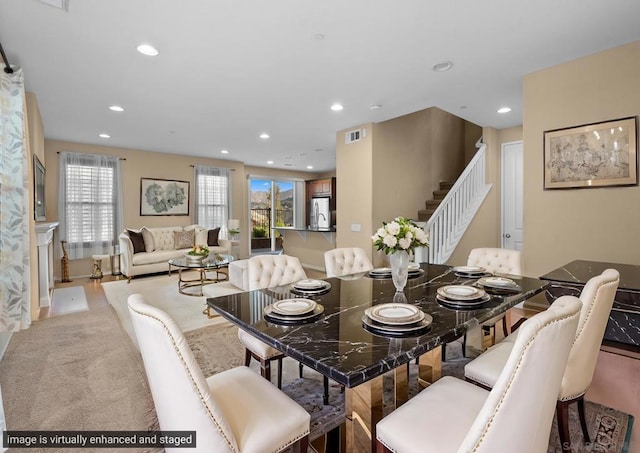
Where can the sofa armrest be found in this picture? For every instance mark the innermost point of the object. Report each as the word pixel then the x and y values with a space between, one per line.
pixel 126 254
pixel 226 243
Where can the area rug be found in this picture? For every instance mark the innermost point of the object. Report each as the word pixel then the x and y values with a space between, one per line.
pixel 162 292
pixel 67 300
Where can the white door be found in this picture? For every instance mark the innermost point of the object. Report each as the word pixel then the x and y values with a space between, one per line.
pixel 512 209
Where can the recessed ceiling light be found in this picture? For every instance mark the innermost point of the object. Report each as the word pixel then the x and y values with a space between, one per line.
pixel 224 151
pixel 318 36
pixel 270 162
pixel 147 49
pixel 336 107
pixel 103 135
pixel 116 108
pixel 310 167
pixel 264 136
pixel 463 107
pixel 443 66
pixel 504 109
pixel 375 107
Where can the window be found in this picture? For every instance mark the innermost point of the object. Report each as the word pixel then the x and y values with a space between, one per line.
pixel 213 196
pixel 90 207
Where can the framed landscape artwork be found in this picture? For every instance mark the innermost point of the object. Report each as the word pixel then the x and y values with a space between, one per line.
pixel 164 197
pixel 593 155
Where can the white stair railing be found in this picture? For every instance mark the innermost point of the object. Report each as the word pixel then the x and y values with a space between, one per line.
pixel 454 214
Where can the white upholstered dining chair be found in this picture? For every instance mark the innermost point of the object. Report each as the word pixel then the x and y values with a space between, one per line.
pixel 266 271
pixel 452 415
pixel 346 260
pixel 496 261
pixel 597 299
pixel 232 411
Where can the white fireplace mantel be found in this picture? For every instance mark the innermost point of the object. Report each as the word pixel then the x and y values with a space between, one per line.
pixel 44 235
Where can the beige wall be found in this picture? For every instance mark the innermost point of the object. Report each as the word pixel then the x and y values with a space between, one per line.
pixel 354 185
pixel 35 147
pixel 394 170
pixel 592 224
pixel 146 164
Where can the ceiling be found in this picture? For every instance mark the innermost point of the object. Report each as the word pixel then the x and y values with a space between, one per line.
pixel 228 70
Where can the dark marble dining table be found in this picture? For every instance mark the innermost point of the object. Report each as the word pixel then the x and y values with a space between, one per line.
pixel 337 345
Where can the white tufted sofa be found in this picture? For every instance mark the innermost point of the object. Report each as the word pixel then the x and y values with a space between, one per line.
pixel 163 250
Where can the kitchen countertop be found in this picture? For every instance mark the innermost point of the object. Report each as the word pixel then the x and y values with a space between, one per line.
pixel 318 230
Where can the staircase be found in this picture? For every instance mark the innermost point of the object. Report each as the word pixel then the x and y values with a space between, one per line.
pixel 432 205
pixel 450 212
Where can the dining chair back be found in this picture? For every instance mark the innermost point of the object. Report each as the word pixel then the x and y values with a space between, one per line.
pixel 346 260
pixel 597 298
pixel 496 260
pixel 266 271
pixel 528 385
pixel 185 400
pixel 516 415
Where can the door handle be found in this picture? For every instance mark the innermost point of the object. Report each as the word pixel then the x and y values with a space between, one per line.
pixel 507 235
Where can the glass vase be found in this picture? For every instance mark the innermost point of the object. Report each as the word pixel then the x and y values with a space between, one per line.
pixel 399 262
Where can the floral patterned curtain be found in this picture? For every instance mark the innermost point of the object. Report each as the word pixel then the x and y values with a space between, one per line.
pixel 14 206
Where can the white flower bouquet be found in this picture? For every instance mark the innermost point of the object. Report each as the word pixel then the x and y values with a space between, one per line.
pixel 400 235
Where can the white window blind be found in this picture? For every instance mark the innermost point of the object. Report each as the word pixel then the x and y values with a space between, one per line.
pixel 213 196
pixel 90 203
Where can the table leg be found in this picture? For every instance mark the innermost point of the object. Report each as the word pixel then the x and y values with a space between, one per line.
pixel 363 410
pixel 430 367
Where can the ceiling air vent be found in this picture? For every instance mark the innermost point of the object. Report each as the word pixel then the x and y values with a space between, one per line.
pixel 354 136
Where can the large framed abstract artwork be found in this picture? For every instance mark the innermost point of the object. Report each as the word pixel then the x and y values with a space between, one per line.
pixel 164 197
pixel 593 155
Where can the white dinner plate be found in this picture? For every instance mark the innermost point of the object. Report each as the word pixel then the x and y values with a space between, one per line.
pixel 460 292
pixel 273 316
pixel 464 304
pixel 309 283
pixel 380 271
pixel 293 307
pixel 470 269
pixel 497 282
pixel 395 314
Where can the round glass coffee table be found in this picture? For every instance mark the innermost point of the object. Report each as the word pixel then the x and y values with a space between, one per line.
pixel 213 264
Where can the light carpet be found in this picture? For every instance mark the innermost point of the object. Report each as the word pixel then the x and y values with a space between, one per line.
pixel 162 292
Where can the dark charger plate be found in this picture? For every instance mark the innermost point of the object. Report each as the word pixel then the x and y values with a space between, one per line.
pixel 395 331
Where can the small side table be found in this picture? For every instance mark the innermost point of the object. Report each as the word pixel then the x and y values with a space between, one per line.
pixel 97 266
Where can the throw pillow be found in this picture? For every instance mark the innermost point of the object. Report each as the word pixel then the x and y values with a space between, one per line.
pixel 184 239
pixel 137 240
pixel 149 243
pixel 212 236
